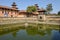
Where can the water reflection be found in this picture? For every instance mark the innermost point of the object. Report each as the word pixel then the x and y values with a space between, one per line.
pixel 40 32
pixel 59 30
pixel 14 34
pixel 55 35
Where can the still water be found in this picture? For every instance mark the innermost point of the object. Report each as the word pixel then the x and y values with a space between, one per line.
pixel 31 33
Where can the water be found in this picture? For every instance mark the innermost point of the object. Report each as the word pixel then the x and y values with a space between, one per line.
pixel 31 33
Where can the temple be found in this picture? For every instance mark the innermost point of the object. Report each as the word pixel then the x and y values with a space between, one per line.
pixel 13 11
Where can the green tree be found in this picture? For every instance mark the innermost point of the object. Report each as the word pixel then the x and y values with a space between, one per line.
pixel 59 13
pixel 31 9
pixel 49 8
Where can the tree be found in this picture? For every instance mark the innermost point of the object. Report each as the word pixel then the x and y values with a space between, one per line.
pixel 59 13
pixel 31 9
pixel 49 8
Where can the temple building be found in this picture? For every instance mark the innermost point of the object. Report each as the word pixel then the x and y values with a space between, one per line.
pixel 9 11
pixel 13 11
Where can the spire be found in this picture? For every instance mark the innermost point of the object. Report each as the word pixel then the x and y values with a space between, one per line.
pixel 37 7
pixel 14 5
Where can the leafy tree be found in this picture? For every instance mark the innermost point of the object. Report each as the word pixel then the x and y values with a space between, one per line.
pixel 49 8
pixel 31 9
pixel 59 13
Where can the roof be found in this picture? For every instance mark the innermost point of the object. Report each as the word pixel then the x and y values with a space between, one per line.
pixel 6 7
pixel 35 13
pixel 14 4
pixel 22 11
pixel 41 10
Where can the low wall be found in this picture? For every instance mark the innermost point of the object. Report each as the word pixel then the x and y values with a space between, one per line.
pixel 10 20
pixel 17 20
pixel 53 18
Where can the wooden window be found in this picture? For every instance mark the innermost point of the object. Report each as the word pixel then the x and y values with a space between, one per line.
pixel 11 15
pixel 2 11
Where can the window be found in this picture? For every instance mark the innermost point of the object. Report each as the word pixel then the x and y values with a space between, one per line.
pixel 6 14
pixel 40 17
pixel 3 11
pixel 11 15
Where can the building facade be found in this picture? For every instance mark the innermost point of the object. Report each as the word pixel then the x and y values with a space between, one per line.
pixel 9 11
pixel 14 12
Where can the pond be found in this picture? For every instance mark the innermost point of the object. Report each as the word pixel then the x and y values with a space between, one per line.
pixel 41 32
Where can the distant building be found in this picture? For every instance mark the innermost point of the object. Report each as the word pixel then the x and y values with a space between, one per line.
pixel 9 11
pixel 14 12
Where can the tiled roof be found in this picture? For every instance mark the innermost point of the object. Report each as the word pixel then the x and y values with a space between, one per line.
pixel 41 10
pixel 22 11
pixel 7 7
pixel 35 12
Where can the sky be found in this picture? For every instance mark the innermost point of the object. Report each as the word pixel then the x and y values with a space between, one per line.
pixel 23 4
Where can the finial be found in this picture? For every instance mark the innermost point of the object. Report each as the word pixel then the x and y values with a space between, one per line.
pixel 14 5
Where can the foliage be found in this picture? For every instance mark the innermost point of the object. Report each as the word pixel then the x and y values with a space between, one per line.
pixel 49 8
pixel 31 9
pixel 59 13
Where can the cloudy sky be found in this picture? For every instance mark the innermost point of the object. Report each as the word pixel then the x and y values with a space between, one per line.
pixel 22 4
